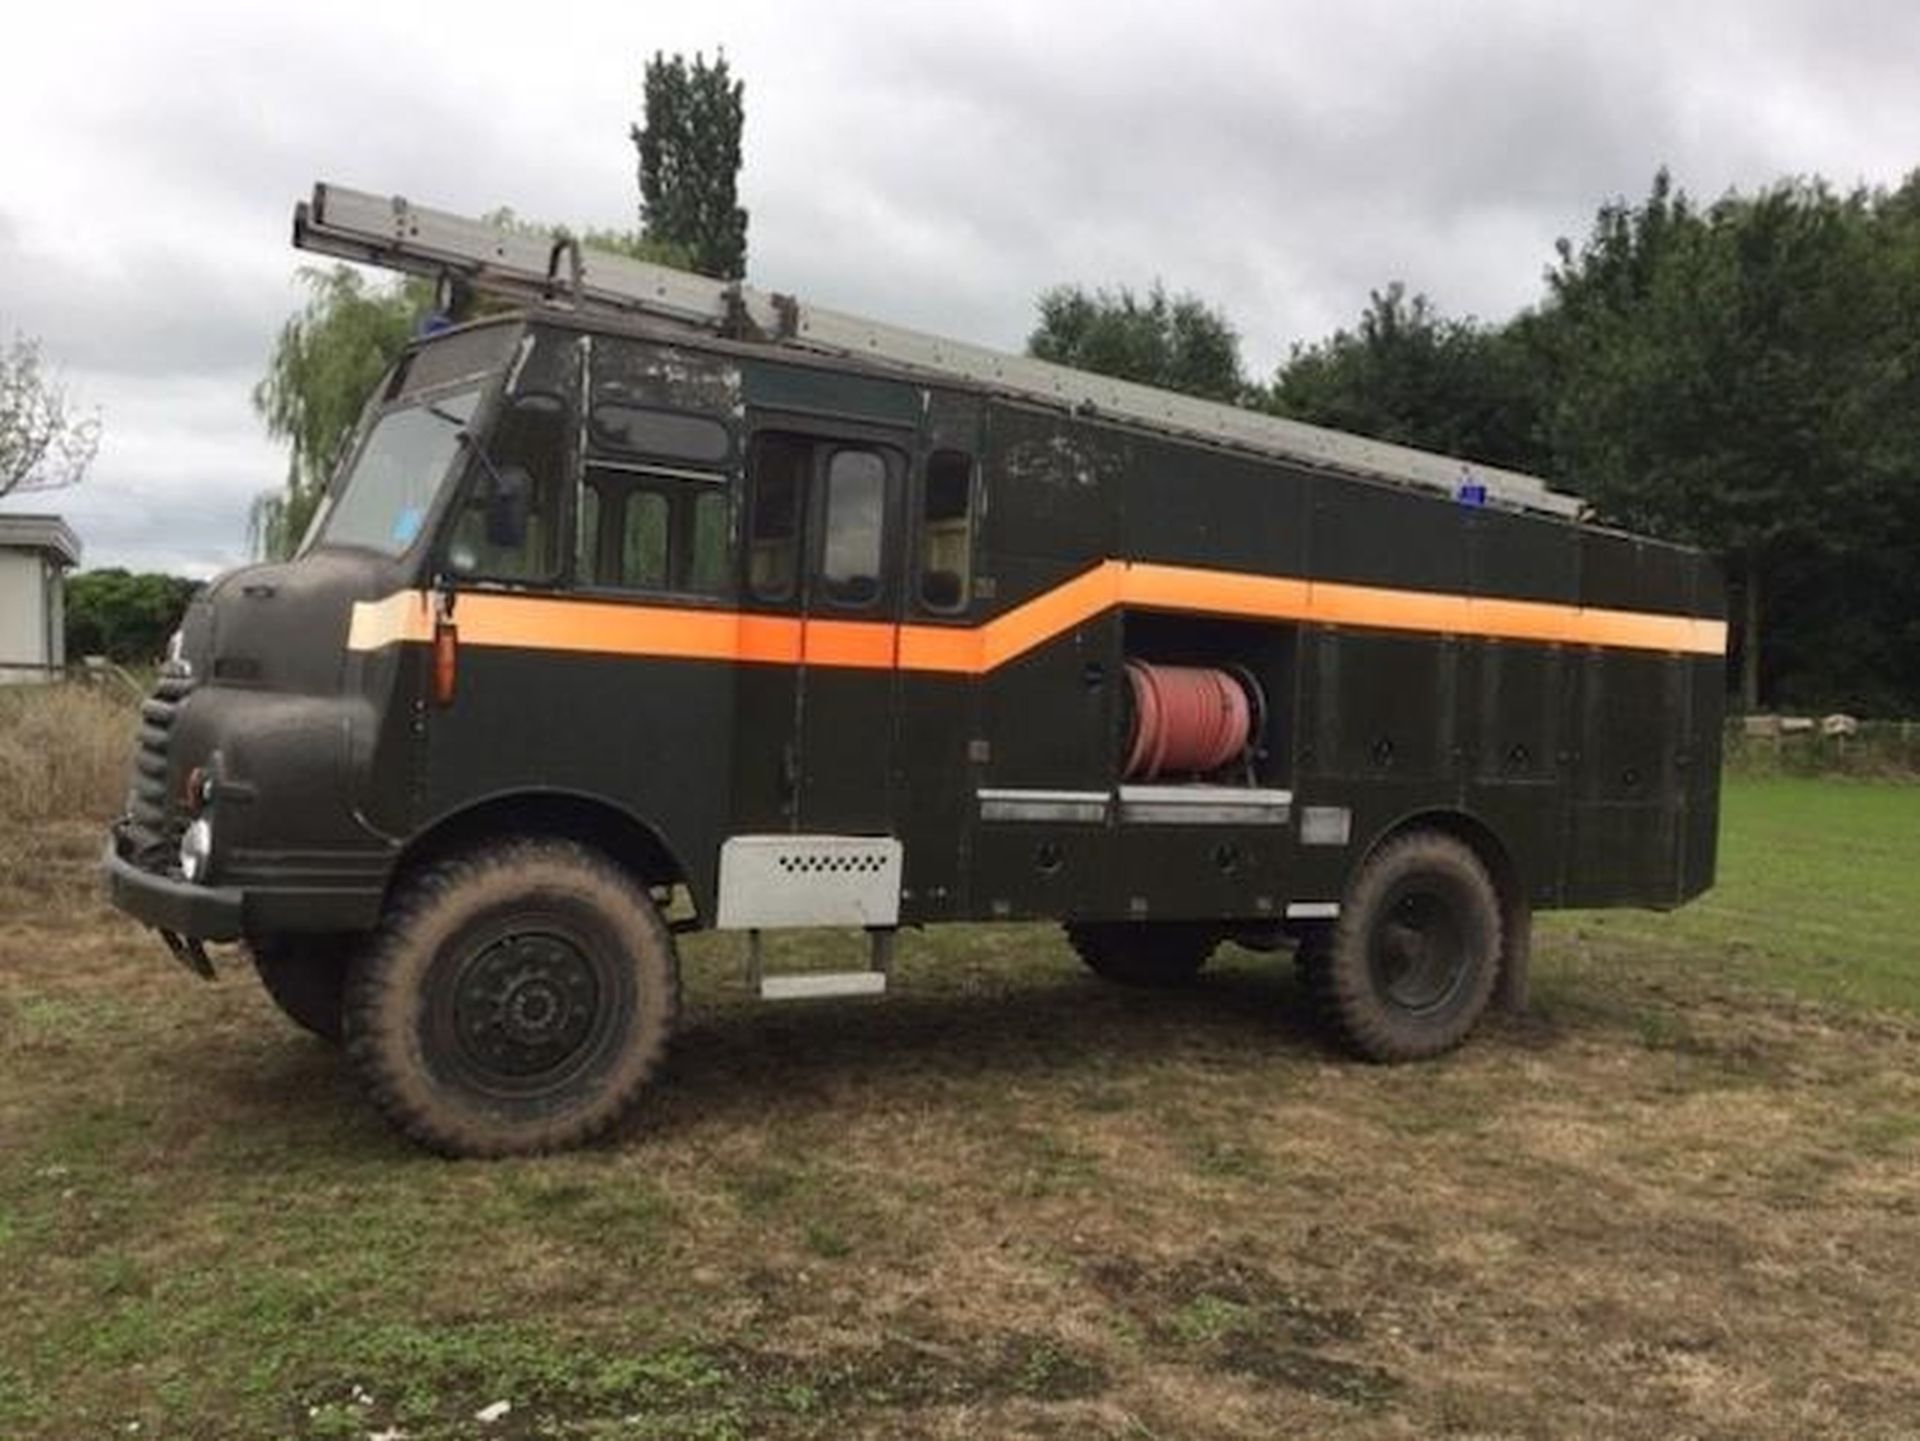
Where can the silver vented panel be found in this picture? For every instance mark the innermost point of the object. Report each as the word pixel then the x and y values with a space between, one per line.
pixel 819 880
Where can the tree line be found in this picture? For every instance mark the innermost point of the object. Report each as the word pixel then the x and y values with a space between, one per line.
pixel 1743 376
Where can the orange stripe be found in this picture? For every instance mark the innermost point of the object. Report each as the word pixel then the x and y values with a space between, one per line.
pixel 954 649
pixel 862 645
pixel 402 616
pixel 767 639
pixel 1049 614
pixel 615 628
pixel 541 623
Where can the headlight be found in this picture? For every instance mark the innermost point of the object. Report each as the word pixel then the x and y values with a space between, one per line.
pixel 196 849
pixel 176 661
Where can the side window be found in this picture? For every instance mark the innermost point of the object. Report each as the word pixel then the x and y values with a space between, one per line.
pixel 779 471
pixel 645 531
pixel 587 546
pixel 707 569
pixel 511 525
pixel 946 532
pixel 855 516
pixel 676 435
pixel 643 541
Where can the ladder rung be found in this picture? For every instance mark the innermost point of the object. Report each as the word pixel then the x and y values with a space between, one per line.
pixel 818 985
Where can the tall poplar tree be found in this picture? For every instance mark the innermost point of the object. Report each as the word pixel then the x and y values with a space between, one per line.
pixel 690 162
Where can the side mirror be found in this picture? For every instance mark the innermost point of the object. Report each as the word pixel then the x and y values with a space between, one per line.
pixel 509 499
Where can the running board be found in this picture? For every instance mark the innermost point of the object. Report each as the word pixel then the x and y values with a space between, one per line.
pixel 819 985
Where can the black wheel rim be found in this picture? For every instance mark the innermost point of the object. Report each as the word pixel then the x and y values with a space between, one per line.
pixel 520 1008
pixel 1419 954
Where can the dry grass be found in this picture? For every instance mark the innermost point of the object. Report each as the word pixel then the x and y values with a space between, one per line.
pixel 64 751
pixel 1008 1202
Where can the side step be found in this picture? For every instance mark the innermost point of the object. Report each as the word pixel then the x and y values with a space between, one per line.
pixel 820 985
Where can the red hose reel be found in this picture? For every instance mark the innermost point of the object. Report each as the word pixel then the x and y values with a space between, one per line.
pixel 1188 720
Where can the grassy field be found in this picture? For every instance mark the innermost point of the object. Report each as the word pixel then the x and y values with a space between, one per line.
pixel 1818 894
pixel 1679 1199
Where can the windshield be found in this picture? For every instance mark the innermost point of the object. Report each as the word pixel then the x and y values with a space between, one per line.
pixel 384 500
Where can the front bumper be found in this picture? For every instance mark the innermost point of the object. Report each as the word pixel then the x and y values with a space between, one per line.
pixel 170 904
pixel 342 894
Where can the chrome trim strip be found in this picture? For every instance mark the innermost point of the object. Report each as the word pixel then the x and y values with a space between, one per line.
pixel 1018 804
pixel 1199 805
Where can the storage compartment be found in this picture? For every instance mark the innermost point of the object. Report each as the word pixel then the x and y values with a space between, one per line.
pixel 1189 717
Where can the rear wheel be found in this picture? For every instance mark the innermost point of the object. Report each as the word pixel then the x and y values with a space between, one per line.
pixel 1144 953
pixel 307 977
pixel 516 1000
pixel 1409 968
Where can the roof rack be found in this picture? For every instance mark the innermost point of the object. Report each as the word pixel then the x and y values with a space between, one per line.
pixel 556 270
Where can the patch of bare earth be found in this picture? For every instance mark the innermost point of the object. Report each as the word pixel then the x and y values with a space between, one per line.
pixel 1008 1202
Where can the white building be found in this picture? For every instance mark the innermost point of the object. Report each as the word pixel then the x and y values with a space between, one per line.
pixel 35 553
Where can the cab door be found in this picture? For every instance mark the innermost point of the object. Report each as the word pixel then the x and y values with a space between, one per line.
pixel 817 719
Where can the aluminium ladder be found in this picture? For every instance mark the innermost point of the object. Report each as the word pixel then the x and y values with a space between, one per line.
pixel 527 268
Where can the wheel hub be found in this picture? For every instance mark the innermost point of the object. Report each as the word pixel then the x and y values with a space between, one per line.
pixel 525 1003
pixel 1419 954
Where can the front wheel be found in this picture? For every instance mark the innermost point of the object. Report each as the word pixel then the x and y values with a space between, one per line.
pixel 1409 968
pixel 516 1000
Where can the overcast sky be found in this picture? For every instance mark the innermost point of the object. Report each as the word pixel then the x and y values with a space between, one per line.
pixel 935 166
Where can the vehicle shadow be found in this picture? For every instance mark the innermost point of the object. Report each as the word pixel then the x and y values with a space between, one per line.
pixel 744 1058
pixel 737 1060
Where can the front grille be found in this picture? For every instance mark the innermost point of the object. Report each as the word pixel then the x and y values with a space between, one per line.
pixel 155 819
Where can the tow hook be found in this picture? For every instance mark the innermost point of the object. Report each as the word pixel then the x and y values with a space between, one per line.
pixel 190 952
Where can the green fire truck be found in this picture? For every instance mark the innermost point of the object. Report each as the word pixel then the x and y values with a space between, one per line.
pixel 646 603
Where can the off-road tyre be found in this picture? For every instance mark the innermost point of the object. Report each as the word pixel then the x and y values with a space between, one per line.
pixel 1144 953
pixel 516 1000
pixel 306 977
pixel 1409 968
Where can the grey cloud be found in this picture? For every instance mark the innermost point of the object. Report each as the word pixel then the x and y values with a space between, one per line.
pixel 180 463
pixel 164 310
pixel 1310 164
pixel 197 536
